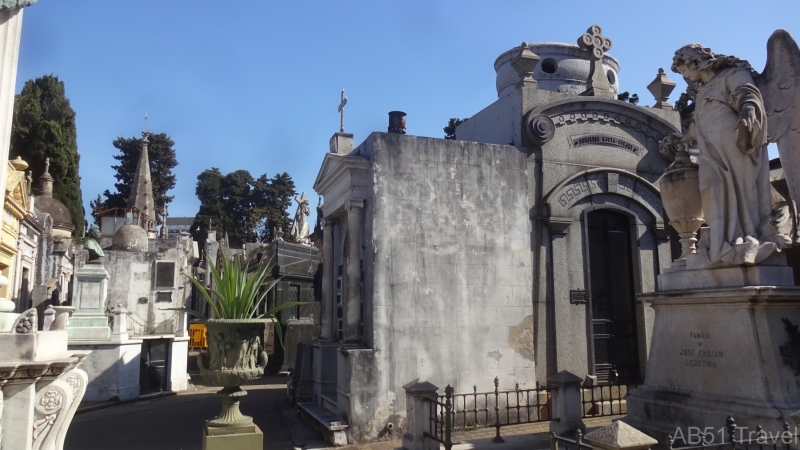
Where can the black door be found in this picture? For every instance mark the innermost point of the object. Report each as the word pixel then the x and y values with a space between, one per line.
pixel 616 355
pixel 153 366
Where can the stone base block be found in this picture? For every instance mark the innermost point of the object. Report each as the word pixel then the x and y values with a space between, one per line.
pixel 726 277
pixel 717 352
pixel 230 438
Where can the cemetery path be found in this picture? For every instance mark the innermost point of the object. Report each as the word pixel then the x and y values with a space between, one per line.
pixel 175 422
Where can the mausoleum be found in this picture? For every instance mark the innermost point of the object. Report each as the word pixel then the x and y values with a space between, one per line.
pixel 515 251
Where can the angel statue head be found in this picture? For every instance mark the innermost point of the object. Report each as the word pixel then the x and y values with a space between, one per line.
pixel 692 60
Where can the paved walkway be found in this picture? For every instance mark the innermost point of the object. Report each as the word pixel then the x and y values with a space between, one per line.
pixel 175 422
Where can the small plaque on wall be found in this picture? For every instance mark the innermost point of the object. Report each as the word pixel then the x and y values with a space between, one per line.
pixel 164 296
pixel 577 296
pixel 165 274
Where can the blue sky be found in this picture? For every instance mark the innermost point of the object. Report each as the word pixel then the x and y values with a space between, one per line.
pixel 254 84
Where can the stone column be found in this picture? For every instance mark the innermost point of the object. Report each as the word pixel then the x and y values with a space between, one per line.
pixel 10 29
pixel 326 315
pixel 418 416
pixel 17 416
pixel 566 403
pixel 355 214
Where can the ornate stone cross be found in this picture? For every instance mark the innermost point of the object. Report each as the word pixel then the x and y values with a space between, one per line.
pixel 596 44
pixel 341 112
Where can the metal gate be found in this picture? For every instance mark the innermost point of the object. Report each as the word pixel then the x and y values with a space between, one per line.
pixel 153 371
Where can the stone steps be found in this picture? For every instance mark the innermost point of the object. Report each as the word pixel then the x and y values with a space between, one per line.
pixel 324 422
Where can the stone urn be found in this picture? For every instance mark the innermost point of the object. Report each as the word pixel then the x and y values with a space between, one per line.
pixel 680 194
pixel 235 356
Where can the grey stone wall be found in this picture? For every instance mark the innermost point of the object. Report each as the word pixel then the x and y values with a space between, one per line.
pixel 449 276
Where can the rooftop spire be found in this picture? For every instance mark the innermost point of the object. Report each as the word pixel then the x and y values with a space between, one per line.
pixel 142 189
pixel 46 181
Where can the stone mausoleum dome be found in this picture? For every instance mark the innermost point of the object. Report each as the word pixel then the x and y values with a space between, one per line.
pixel 130 238
pixel 561 68
pixel 46 203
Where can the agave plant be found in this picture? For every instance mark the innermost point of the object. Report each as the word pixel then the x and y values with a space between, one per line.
pixel 237 294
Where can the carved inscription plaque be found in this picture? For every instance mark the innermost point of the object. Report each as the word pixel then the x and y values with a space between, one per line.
pixel 701 352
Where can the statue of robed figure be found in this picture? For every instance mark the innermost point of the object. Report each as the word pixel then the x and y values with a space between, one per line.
pixel 738 111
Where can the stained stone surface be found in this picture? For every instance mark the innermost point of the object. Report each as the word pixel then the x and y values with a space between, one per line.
pixel 619 435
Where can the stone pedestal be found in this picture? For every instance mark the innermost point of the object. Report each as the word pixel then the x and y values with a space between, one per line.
pixel 89 321
pixel 227 438
pixel 324 362
pixel 112 367
pixel 717 352
pixel 418 416
pixel 41 388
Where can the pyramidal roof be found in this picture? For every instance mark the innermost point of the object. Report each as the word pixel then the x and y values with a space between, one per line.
pixel 142 188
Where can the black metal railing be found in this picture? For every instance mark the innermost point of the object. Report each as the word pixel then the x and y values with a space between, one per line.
pixel 738 438
pixel 606 400
pixel 487 409
pixel 576 444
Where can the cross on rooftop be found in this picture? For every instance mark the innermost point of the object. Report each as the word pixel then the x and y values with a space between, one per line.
pixel 593 41
pixel 341 112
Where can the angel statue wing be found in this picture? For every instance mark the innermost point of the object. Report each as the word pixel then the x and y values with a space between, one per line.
pixel 779 84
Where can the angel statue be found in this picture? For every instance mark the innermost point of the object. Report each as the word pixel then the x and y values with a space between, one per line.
pixel 300 226
pixel 737 113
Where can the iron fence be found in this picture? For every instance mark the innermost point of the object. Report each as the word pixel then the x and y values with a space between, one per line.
pixel 606 400
pixel 487 409
pixel 577 444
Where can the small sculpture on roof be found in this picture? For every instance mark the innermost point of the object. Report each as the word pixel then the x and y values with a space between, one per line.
pixel 300 226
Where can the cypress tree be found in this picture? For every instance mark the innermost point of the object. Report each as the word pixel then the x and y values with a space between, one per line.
pixel 44 127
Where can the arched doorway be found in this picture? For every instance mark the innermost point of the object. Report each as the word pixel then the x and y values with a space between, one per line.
pixel 616 354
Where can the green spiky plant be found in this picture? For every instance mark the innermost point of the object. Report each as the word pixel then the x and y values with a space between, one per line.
pixel 237 293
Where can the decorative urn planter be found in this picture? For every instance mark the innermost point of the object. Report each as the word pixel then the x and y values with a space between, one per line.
pixel 235 356
pixel 680 194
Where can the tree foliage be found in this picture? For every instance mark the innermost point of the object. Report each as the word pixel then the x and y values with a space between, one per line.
pixel 162 161
pixel 627 97
pixel 247 209
pixel 44 127
pixel 450 129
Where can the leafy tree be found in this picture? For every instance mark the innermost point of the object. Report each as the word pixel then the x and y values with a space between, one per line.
pixel 97 205
pixel 627 97
pixel 245 208
pixel 44 127
pixel 450 129
pixel 162 161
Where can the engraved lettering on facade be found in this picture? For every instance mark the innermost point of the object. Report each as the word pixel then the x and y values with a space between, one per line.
pixel 604 139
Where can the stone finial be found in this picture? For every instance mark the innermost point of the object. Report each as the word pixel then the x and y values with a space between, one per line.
pixel 45 186
pixel 661 87
pixel 619 436
pixel 525 62
pixel 19 164
pixel 597 45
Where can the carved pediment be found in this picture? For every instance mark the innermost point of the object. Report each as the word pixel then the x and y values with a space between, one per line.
pixel 335 168
pixel 17 195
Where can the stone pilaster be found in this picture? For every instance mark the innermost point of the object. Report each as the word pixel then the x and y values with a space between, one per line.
pixel 326 315
pixel 10 29
pixel 355 214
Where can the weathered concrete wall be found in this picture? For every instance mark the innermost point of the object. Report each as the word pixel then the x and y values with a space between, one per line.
pixel 450 273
